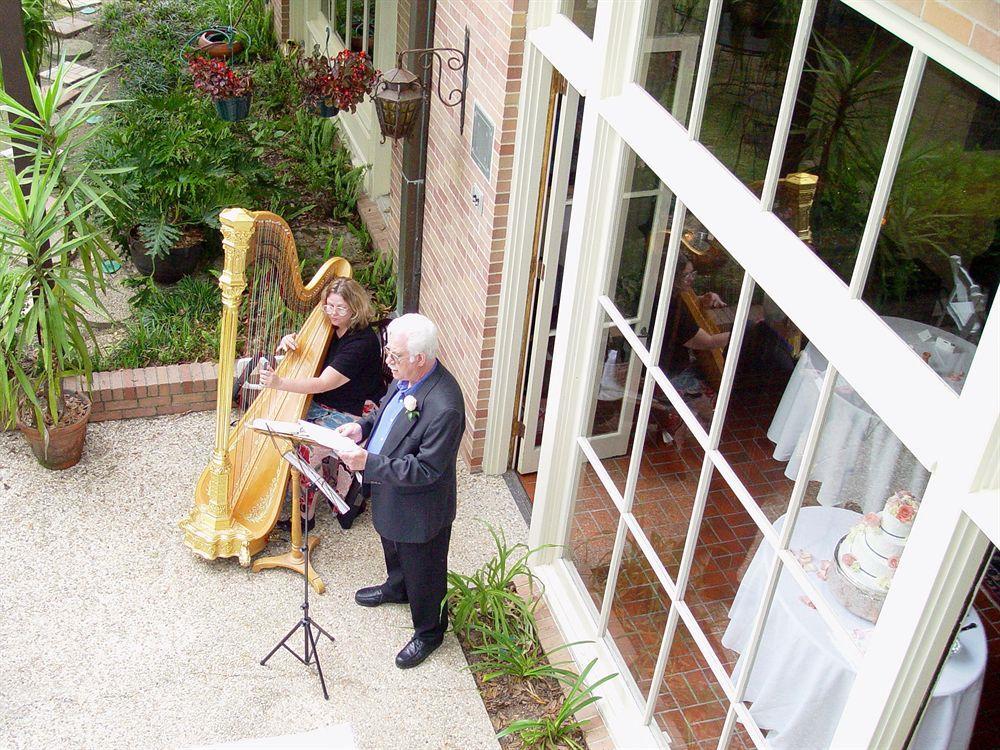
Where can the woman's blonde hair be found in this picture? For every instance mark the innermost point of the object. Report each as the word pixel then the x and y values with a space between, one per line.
pixel 356 297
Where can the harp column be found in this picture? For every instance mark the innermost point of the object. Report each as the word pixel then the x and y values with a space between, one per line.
pixel 210 529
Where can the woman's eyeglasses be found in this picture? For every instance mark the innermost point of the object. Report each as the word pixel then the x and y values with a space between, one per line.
pixel 338 309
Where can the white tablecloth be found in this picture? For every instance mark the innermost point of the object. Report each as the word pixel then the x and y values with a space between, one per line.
pixel 858 457
pixel 801 678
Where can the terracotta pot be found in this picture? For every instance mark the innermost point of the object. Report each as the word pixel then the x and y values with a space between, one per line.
pixel 65 442
pixel 172 267
pixel 214 44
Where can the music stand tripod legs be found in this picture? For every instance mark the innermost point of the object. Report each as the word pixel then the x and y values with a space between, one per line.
pixel 306 623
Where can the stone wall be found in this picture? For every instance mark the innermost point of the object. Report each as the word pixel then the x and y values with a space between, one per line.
pixel 973 23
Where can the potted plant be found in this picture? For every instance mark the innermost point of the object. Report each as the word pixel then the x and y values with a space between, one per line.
pixel 331 85
pixel 51 255
pixel 184 166
pixel 228 88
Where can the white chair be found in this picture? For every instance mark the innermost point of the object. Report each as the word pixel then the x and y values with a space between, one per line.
pixel 965 304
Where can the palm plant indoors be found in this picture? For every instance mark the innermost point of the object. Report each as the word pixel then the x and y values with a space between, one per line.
pixel 50 265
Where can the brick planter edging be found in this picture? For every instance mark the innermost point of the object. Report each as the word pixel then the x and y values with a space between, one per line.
pixel 151 391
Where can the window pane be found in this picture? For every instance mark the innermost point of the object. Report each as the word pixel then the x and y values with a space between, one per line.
pixel 840 125
pixel 691 707
pixel 668 66
pixel 801 676
pixel 864 485
pixel 749 68
pixel 582 13
pixel 638 614
pixel 937 261
pixel 592 533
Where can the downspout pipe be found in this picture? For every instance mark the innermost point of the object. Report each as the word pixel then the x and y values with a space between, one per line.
pixel 414 169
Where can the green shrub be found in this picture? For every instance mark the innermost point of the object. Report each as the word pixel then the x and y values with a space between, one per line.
pixel 379 278
pixel 487 600
pixel 171 325
pixel 551 732
pixel 501 653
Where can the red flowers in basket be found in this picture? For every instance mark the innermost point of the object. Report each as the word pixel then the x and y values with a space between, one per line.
pixel 214 77
pixel 340 82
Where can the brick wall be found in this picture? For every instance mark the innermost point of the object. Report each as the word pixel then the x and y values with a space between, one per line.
pixel 151 391
pixel 974 23
pixel 463 248
pixel 281 19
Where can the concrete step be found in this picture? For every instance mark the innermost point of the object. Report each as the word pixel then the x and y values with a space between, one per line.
pixel 70 26
pixel 76 49
pixel 74 72
pixel 73 5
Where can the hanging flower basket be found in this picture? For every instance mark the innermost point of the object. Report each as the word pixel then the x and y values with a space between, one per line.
pixel 325 109
pixel 333 84
pixel 233 109
pixel 229 89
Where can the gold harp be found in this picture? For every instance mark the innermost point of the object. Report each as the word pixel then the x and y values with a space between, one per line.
pixel 239 495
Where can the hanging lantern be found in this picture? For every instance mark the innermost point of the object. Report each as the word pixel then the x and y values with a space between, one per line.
pixel 397 101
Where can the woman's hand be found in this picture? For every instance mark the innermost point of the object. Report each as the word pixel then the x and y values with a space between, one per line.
pixel 351 430
pixel 268 378
pixel 288 343
pixel 711 300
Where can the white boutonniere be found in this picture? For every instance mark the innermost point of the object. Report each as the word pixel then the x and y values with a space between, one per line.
pixel 410 404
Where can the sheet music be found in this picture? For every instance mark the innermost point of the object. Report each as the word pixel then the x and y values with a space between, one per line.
pixel 321 484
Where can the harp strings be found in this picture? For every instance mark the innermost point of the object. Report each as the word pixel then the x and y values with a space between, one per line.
pixel 266 319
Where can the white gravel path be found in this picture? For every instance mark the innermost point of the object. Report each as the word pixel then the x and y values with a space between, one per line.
pixel 114 635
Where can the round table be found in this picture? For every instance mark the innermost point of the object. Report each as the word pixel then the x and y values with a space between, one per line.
pixel 858 457
pixel 801 678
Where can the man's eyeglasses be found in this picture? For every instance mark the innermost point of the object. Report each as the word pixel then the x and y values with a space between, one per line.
pixel 339 309
pixel 391 357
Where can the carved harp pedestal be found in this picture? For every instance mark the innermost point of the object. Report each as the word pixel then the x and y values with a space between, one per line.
pixel 239 495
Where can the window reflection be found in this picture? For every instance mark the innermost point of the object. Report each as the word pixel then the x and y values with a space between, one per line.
pixel 937 261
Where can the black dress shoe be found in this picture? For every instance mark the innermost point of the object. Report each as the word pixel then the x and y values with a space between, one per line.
pixel 372 596
pixel 415 652
pixel 286 525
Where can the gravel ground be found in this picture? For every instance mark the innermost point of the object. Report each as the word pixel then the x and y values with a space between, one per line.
pixel 114 635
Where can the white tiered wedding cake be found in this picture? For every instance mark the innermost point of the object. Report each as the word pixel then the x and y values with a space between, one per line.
pixel 868 554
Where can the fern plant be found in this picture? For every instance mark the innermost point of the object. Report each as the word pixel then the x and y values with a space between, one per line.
pixel 554 732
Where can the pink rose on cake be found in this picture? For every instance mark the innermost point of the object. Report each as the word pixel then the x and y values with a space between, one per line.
pixel 872 520
pixel 892 562
pixel 905 513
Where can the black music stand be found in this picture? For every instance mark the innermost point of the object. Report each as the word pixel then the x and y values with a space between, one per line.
pixel 306 622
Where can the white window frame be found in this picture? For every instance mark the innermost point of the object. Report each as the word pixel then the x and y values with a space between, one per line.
pixel 954 435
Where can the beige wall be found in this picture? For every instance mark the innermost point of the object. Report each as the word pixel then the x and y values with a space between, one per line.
pixel 463 248
pixel 973 23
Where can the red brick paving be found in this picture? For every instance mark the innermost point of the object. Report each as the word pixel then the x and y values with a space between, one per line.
pixel 691 707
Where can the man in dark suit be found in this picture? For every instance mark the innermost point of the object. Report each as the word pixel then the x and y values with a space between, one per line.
pixel 409 460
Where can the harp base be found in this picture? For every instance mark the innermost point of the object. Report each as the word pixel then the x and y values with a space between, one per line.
pixel 293 560
pixel 211 537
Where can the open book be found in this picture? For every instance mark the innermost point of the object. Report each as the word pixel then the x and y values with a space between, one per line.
pixel 306 432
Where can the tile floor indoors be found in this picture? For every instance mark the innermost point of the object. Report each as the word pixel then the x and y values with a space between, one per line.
pixel 691 707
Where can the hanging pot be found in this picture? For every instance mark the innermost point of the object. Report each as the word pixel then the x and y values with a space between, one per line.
pixel 325 109
pixel 215 43
pixel 65 444
pixel 233 110
pixel 171 267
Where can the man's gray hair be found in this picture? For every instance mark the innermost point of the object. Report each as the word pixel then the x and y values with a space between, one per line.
pixel 420 332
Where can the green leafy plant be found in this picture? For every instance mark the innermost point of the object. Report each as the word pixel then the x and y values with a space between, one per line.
pixel 185 167
pixel 379 278
pixel 170 325
pixel 503 653
pixel 559 731
pixel 38 36
pixel 488 599
pixel 45 334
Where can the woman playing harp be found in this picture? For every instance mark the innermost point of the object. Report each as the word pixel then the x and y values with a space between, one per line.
pixel 351 373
